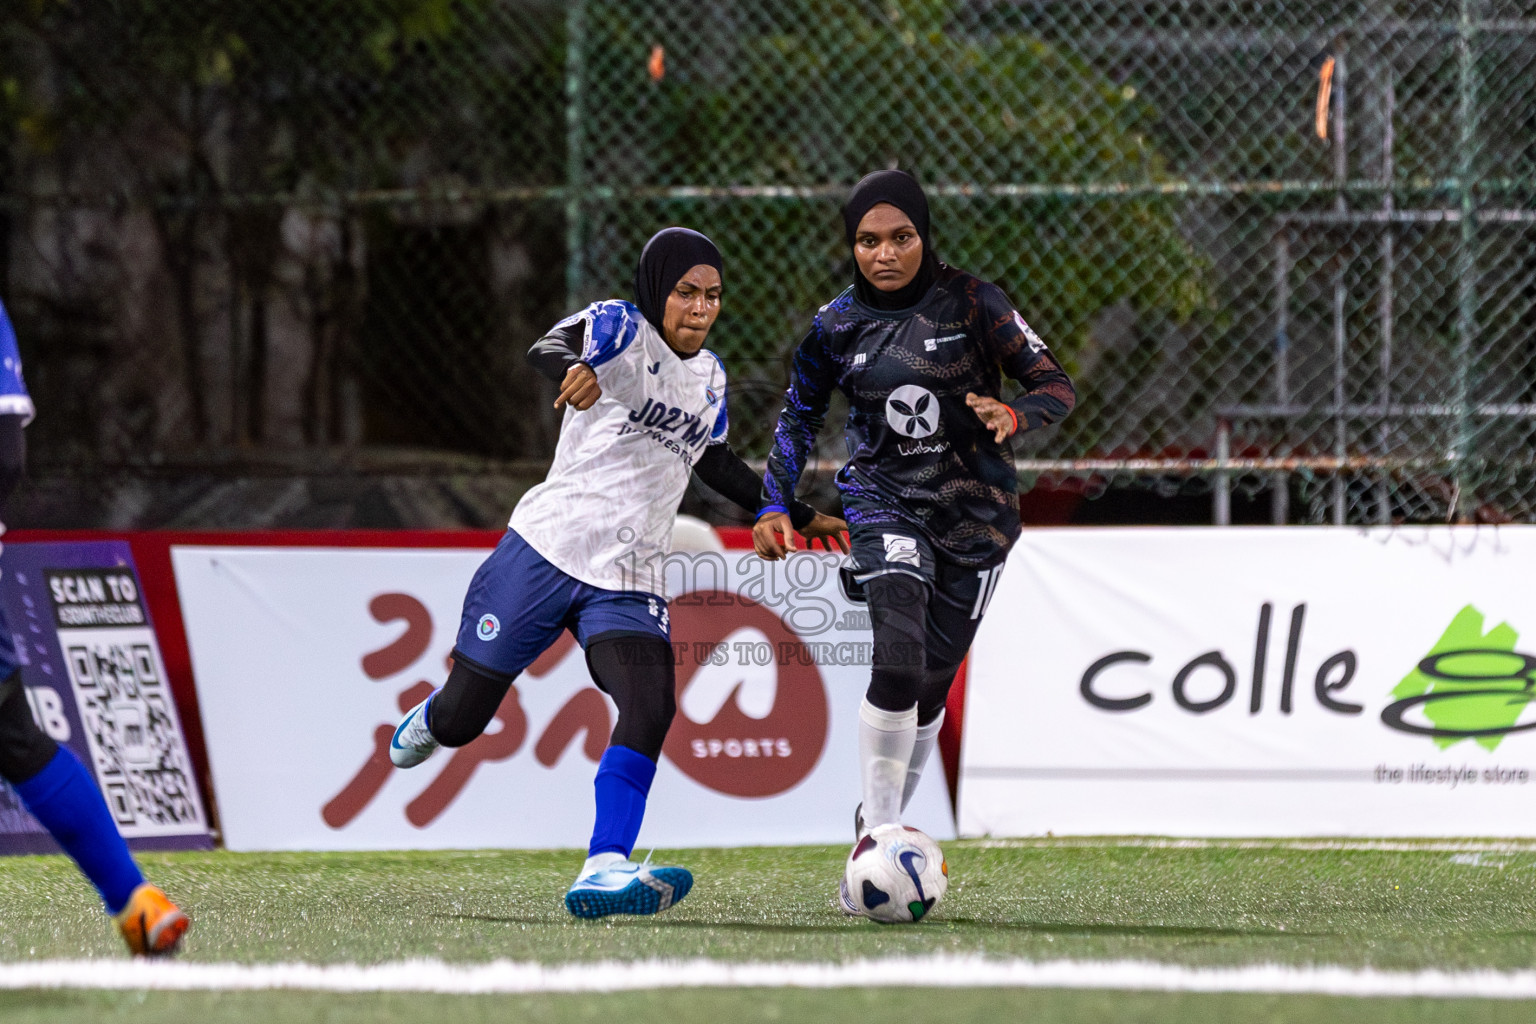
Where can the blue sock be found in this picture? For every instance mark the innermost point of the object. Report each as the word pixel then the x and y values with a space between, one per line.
pixel 623 782
pixel 64 798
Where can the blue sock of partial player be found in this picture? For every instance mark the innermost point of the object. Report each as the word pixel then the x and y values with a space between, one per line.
pixel 623 781
pixel 64 798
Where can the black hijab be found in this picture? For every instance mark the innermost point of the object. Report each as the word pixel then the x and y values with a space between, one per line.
pixel 902 191
pixel 670 254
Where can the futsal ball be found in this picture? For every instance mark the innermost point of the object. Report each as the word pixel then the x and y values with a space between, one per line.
pixel 896 874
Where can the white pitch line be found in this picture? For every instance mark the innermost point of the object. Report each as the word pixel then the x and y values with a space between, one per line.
pixel 1323 845
pixel 506 977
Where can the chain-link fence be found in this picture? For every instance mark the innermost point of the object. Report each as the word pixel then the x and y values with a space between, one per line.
pixel 1286 249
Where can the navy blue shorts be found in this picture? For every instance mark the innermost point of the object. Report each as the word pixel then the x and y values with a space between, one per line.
pixel 957 595
pixel 518 604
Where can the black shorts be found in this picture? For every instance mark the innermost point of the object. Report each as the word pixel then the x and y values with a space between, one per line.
pixel 958 595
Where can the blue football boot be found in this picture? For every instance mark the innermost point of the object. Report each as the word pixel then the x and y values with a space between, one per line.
pixel 413 742
pixel 627 888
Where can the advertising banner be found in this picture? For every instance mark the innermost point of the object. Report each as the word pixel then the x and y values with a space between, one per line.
pixel 305 660
pixel 1256 682
pixel 95 680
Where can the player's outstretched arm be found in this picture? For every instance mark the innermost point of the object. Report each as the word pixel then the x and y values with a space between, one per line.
pixel 812 379
pixel 773 536
pixel 723 471
pixel 830 530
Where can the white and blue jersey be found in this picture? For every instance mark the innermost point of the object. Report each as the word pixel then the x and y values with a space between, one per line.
pixel 14 400
pixel 604 513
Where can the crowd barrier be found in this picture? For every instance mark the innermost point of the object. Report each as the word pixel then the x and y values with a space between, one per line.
pixel 1256 682
pixel 84 642
pixel 1241 682
pixel 291 654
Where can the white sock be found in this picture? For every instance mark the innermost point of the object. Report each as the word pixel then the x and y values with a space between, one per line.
pixel 922 748
pixel 886 739
pixel 599 861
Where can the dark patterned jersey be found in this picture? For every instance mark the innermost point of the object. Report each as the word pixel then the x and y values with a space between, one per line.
pixel 917 452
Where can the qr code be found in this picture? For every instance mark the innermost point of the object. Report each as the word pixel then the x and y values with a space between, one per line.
pixel 131 728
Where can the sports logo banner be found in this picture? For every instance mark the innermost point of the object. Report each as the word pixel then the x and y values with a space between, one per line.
pixel 96 683
pixel 305 659
pixel 1256 682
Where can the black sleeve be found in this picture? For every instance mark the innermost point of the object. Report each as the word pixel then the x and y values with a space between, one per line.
pixel 1048 392
pixel 813 377
pixel 555 353
pixel 13 454
pixel 723 470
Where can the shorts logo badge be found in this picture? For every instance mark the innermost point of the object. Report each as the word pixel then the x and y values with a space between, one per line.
pixel 912 411
pixel 489 627
pixel 902 550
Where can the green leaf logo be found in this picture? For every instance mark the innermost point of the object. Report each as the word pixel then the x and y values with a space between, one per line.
pixel 1471 685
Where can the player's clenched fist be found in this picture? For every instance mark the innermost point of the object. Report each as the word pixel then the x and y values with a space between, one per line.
pixel 579 389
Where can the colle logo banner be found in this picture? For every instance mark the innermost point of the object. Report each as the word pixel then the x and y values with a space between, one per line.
pixel 1191 683
pixel 1471 686
pixel 1258 682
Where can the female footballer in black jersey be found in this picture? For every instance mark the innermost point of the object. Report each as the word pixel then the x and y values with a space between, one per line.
pixel 929 490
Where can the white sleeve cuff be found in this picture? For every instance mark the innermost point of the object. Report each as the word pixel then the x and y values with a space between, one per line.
pixel 17 405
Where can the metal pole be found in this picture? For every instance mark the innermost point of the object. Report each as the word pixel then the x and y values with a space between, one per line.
pixel 1466 261
pixel 575 162
pixel 1340 339
pixel 1339 422
pixel 1221 500
pixel 1280 483
pixel 1386 297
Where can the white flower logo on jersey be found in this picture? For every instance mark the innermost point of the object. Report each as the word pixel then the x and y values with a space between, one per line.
pixel 912 411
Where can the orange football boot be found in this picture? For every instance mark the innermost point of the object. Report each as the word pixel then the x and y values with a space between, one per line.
pixel 151 924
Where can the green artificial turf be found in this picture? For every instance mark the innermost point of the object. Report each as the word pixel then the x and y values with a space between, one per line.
pixel 1214 904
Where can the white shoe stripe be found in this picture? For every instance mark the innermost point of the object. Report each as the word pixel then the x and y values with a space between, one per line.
pixel 662 888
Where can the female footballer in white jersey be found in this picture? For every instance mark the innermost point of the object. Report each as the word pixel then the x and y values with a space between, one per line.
pixel 645 406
